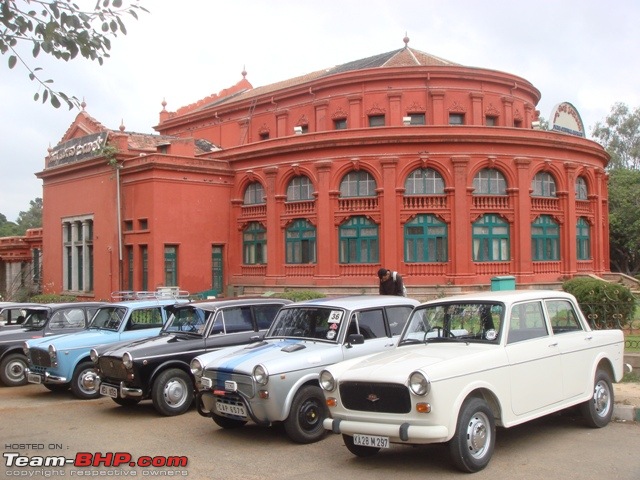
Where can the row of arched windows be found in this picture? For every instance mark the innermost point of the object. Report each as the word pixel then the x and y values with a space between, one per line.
pixel 422 181
pixel 425 240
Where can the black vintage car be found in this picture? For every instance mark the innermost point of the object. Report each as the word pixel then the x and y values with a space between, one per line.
pixel 158 367
pixel 39 321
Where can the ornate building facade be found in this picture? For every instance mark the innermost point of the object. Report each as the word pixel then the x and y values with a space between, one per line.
pixel 402 160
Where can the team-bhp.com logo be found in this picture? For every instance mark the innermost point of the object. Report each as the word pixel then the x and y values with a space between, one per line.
pixel 86 459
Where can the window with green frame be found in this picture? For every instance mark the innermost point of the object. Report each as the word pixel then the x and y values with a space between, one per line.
pixel 581 189
pixel 171 265
pixel 490 239
pixel 300 242
pixel 300 188
pixel 358 184
pixel 358 240
pixel 543 185
pixel 254 244
pixel 545 239
pixel 489 181
pixel 583 240
pixel 424 181
pixel 254 194
pixel 425 240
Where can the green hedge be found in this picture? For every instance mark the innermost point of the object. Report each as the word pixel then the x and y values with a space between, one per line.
pixel 606 305
pixel 299 295
pixel 52 298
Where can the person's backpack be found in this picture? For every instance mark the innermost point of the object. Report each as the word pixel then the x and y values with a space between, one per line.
pixel 404 289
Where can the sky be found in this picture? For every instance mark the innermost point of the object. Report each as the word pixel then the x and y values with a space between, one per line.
pixel 579 51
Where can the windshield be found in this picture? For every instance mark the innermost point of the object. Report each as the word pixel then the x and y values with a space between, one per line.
pixel 189 320
pixel 467 321
pixel 308 322
pixel 108 318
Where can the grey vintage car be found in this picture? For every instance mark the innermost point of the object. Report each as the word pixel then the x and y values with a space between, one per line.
pixel 276 380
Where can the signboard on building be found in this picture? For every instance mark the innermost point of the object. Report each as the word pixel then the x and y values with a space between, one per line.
pixel 566 119
pixel 77 149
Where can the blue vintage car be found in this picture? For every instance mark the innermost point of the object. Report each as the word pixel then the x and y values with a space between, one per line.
pixel 64 361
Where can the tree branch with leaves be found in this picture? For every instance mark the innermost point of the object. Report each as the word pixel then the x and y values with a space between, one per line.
pixel 61 29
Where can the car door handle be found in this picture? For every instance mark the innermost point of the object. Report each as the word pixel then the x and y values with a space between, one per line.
pixel 553 344
pixel 590 337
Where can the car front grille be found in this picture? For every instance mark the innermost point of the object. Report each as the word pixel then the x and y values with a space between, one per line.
pixel 244 382
pixel 375 397
pixel 40 358
pixel 112 368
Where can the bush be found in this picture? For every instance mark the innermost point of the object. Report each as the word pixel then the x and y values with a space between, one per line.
pixel 52 298
pixel 299 295
pixel 606 305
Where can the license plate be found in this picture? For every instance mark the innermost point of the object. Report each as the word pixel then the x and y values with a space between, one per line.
pixel 109 391
pixel 34 378
pixel 371 441
pixel 231 409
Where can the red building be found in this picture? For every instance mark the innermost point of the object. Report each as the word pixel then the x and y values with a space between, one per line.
pixel 402 160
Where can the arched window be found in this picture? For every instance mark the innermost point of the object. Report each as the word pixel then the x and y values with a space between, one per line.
pixel 424 181
pixel 300 188
pixel 358 184
pixel 490 239
pixel 489 181
pixel 581 189
pixel 254 194
pixel 583 234
pixel 300 242
pixel 543 185
pixel 425 239
pixel 254 244
pixel 358 240
pixel 545 239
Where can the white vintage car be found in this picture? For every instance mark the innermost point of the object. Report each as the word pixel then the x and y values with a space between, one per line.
pixel 466 364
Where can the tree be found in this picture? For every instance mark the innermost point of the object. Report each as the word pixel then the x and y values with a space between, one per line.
pixel 7 228
pixel 624 221
pixel 59 28
pixel 619 134
pixel 32 218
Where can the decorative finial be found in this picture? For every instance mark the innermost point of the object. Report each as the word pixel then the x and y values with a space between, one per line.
pixel 405 40
pixel 244 71
pixel 164 105
pixel 122 125
pixel 83 104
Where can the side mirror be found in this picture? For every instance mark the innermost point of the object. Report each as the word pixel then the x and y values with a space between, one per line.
pixel 355 339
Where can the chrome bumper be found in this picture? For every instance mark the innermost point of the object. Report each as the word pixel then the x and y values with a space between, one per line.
pixel 47 377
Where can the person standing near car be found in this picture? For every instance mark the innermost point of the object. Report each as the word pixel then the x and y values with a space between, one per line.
pixel 391 283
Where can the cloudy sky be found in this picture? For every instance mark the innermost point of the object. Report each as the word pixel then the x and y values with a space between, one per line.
pixel 579 51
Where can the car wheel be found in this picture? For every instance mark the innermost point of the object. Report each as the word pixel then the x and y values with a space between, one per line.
pixel 13 370
pixel 126 402
pixel 83 382
pixel 358 450
pixel 308 410
pixel 598 410
pixel 226 422
pixel 473 442
pixel 57 387
pixel 172 392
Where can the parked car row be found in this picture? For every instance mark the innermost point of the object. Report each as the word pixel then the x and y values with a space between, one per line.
pixel 379 370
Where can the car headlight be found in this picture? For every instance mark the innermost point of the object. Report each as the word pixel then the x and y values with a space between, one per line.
pixel 327 382
pixel 260 375
pixel 94 355
pixel 419 383
pixel 25 349
pixel 127 360
pixel 53 354
pixel 196 367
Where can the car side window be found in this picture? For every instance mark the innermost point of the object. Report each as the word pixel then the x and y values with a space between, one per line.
pixel 237 319
pixel 144 318
pixel 371 324
pixel 264 315
pixel 397 317
pixel 527 322
pixel 563 317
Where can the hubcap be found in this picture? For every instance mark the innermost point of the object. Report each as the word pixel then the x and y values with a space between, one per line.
pixel 88 381
pixel 478 435
pixel 309 415
pixel 175 392
pixel 602 399
pixel 15 370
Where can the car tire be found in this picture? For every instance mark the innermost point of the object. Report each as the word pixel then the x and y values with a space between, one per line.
pixel 83 382
pixel 126 402
pixel 598 410
pixel 56 387
pixel 13 370
pixel 358 450
pixel 172 392
pixel 226 422
pixel 473 442
pixel 308 410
